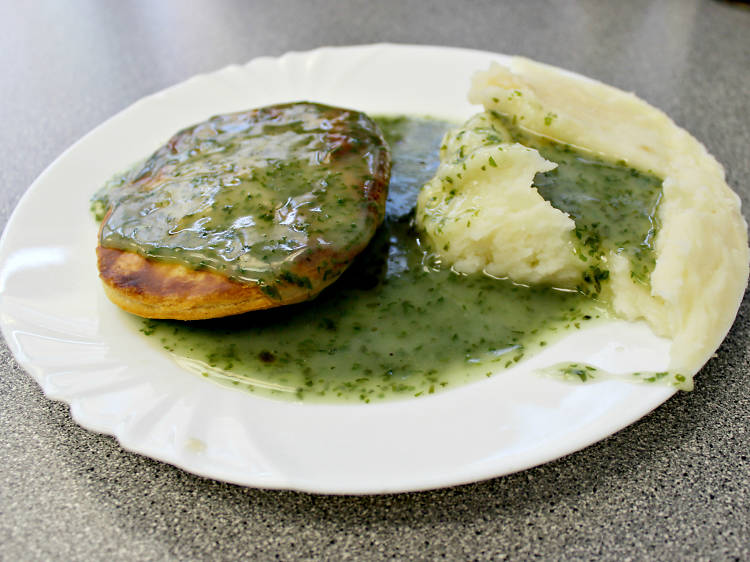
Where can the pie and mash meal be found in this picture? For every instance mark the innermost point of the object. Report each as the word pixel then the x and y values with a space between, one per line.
pixel 561 203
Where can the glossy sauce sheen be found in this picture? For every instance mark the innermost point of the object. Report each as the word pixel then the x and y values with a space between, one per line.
pixel 396 325
pixel 247 194
pixel 614 207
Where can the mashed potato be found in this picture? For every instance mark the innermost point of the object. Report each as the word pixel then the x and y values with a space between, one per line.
pixel 509 232
pixel 481 212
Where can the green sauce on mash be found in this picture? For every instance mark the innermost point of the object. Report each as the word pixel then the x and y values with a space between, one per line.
pixel 614 206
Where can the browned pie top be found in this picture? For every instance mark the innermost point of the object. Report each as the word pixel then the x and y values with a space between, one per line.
pixel 273 202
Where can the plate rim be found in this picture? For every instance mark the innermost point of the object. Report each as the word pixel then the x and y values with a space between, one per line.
pixel 78 413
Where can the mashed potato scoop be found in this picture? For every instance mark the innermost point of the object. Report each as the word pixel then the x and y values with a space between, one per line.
pixel 667 242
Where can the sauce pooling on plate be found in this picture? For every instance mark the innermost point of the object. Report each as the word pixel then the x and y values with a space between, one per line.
pixel 397 324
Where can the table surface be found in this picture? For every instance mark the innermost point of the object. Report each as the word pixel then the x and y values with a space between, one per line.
pixel 673 485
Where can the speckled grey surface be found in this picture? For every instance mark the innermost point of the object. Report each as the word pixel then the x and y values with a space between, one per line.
pixel 672 486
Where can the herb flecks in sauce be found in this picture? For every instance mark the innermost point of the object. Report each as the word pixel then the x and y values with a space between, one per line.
pixel 614 207
pixel 396 325
pixel 583 372
pixel 247 194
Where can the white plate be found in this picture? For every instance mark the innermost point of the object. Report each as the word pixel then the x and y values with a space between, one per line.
pixel 84 351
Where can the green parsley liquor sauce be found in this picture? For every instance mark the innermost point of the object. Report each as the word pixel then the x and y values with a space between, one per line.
pixel 615 207
pixel 394 326
pixel 250 194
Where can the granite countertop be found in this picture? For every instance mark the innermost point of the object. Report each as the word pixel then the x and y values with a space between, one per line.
pixel 674 485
